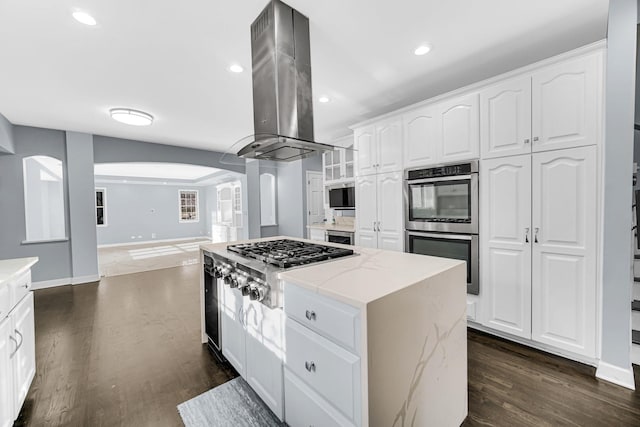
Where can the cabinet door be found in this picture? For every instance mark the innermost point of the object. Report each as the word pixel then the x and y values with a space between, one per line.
pixel 390 219
pixel 367 153
pixel 505 119
pixel 7 346
pixel 505 235
pixel 264 349
pixel 567 104
pixel 389 141
pixel 233 335
pixel 564 249
pixel 420 143
pixel 459 128
pixel 366 200
pixel 24 360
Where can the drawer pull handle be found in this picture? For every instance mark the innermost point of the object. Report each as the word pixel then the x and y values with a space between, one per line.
pixel 12 338
pixel 310 315
pixel 310 366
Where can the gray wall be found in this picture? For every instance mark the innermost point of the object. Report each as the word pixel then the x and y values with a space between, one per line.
pixel 55 257
pixel 253 198
pixel 144 209
pixel 82 220
pixel 108 150
pixel 6 136
pixel 618 152
pixel 292 195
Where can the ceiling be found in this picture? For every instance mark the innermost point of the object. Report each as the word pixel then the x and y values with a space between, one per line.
pixel 171 59
pixel 160 173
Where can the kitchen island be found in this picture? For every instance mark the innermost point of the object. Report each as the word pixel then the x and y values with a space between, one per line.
pixel 377 338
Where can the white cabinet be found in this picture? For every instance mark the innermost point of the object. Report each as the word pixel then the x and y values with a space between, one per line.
pixel 24 359
pixel 564 249
pixel 338 165
pixel 316 234
pixel 379 147
pixel 252 343
pixel 566 104
pixel 7 347
pixel 505 118
pixel 554 108
pixel 459 128
pixel 379 223
pixel 420 137
pixel 506 244
pixel 539 247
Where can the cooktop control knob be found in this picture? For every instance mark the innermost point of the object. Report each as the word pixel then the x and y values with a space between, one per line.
pixel 243 285
pixel 234 280
pixel 257 291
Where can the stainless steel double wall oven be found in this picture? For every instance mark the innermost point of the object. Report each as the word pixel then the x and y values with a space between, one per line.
pixel 441 215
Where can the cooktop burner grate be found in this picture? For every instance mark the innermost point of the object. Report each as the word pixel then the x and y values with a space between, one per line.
pixel 287 253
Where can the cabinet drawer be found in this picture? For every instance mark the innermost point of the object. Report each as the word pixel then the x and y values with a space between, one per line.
pixel 20 287
pixel 327 368
pixel 334 320
pixel 307 408
pixel 5 301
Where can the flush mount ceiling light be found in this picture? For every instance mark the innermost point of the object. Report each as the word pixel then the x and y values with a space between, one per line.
pixel 422 50
pixel 131 117
pixel 235 68
pixel 324 99
pixel 84 18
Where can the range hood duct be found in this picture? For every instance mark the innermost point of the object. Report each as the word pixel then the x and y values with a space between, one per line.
pixel 282 98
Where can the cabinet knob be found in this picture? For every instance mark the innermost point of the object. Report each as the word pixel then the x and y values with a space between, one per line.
pixel 526 141
pixel 526 235
pixel 310 315
pixel 535 238
pixel 535 138
pixel 310 366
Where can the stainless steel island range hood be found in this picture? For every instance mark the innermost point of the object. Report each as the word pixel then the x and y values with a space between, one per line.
pixel 282 98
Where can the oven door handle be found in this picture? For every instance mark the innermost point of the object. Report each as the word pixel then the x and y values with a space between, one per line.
pixel 438 179
pixel 467 237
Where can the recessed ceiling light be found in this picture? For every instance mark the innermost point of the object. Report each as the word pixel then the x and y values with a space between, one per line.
pixel 235 68
pixel 422 50
pixel 131 117
pixel 84 18
pixel 324 99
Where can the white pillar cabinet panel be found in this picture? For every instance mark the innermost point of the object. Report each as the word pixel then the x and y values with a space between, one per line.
pixel 389 139
pixel 233 334
pixel 7 346
pixel 264 373
pixel 506 244
pixel 420 141
pixel 566 104
pixel 459 128
pixel 564 249
pixel 390 219
pixel 366 196
pixel 367 151
pixel 505 118
pixel 24 359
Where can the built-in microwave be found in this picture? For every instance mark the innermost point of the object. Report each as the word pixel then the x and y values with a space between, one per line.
pixel 342 198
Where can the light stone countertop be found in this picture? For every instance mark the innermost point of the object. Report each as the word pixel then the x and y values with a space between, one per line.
pixel 361 279
pixel 9 268
pixel 333 227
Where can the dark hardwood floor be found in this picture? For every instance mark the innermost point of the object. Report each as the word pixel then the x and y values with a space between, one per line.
pixel 126 352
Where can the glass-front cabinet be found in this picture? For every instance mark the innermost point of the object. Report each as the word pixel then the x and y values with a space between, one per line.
pixel 338 165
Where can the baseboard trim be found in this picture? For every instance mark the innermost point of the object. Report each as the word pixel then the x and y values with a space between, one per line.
pixel 65 281
pixel 146 242
pixel 616 375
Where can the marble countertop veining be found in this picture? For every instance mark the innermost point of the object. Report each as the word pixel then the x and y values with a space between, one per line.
pixel 333 227
pixel 9 268
pixel 365 277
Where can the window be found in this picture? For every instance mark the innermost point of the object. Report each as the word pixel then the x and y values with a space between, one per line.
pixel 267 199
pixel 101 209
pixel 237 205
pixel 43 198
pixel 189 206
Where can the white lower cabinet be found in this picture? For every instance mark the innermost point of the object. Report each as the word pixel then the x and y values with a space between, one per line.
pixel 323 377
pixel 539 247
pixel 6 374
pixel 316 234
pixel 252 342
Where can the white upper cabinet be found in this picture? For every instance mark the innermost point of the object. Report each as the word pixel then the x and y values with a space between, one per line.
pixel 367 150
pixel 567 104
pixel 505 118
pixel 389 140
pixel 459 128
pixel 420 138
pixel 505 247
pixel 564 308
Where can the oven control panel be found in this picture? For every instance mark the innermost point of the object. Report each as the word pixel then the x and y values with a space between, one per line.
pixel 446 170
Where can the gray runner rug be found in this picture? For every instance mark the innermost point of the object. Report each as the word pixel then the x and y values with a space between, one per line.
pixel 233 403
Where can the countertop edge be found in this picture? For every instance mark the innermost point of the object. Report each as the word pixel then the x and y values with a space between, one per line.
pixel 26 264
